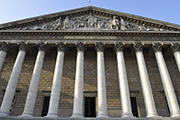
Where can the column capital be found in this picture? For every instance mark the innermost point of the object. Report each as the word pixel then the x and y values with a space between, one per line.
pixel 99 46
pixel 175 47
pixel 42 46
pixel 138 46
pixel 157 47
pixel 4 46
pixel 119 46
pixel 61 46
pixel 23 45
pixel 80 46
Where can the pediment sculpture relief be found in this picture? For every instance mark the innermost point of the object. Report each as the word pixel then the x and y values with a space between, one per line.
pixel 92 22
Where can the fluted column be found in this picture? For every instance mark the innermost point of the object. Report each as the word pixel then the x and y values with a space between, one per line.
pixel 4 48
pixel 56 86
pixel 175 47
pixel 78 91
pixel 33 88
pixel 101 81
pixel 12 84
pixel 166 80
pixel 145 84
pixel 123 82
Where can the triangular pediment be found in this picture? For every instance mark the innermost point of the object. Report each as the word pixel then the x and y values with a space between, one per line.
pixel 90 18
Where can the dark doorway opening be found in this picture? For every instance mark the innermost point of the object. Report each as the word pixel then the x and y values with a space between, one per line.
pixel 167 106
pixel 90 107
pixel 45 106
pixel 134 106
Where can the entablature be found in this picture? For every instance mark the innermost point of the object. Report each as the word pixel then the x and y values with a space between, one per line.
pixel 90 36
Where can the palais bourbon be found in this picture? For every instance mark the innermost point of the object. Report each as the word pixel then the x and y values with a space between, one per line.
pixel 89 63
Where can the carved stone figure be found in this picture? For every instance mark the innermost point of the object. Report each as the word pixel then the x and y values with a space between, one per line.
pixel 37 27
pixel 25 28
pixel 108 24
pixel 149 28
pixel 100 23
pixel 156 29
pixel 115 23
pixel 142 28
pixel 153 29
pixel 128 26
pixel 44 27
pixel 123 25
pixel 52 25
pixel 73 23
pixel 133 26
pixel 162 29
pixel 92 21
pixel 58 24
pixel 66 23
pixel 80 24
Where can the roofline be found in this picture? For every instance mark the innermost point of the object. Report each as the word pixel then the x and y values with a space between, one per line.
pixel 113 12
pixel 45 15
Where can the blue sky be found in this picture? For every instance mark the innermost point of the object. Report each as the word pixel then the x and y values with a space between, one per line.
pixel 164 10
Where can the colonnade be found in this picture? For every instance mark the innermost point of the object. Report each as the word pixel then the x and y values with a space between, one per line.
pixel 101 82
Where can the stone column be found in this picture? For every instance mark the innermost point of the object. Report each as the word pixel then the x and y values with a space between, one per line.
pixel 123 82
pixel 175 47
pixel 33 88
pixel 78 91
pixel 4 48
pixel 145 83
pixel 166 80
pixel 12 84
pixel 101 82
pixel 56 86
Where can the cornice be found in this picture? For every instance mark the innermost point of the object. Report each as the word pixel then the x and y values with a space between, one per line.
pixel 90 33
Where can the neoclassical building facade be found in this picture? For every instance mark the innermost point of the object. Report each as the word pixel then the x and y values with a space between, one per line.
pixel 89 62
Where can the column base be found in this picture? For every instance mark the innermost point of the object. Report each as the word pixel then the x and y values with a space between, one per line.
pixel 4 114
pixel 52 115
pixel 27 114
pixel 176 115
pixel 128 115
pixel 153 115
pixel 102 116
pixel 77 115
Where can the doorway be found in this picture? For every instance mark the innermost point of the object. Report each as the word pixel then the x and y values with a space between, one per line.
pixel 134 106
pixel 45 106
pixel 90 107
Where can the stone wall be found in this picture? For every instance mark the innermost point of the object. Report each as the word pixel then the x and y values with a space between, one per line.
pixel 90 80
